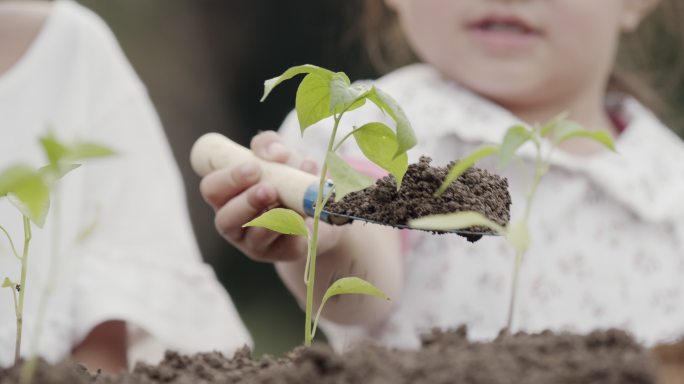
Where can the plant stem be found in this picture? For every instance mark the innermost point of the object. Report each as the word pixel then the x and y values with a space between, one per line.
pixel 313 243
pixel 514 289
pixel 22 289
pixel 29 368
pixel 540 167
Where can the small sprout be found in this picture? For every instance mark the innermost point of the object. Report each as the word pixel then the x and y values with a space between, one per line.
pixel 29 189
pixel 557 130
pixel 347 286
pixel 323 94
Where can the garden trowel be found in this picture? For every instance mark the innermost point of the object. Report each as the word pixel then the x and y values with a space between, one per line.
pixel 297 189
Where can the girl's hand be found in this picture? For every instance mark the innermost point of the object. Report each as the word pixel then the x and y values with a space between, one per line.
pixel 238 195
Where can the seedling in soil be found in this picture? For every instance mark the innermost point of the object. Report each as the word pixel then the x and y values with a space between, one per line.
pixel 556 131
pixel 29 189
pixel 325 94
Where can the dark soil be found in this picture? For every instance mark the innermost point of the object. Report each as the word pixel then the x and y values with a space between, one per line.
pixel 475 190
pixel 605 357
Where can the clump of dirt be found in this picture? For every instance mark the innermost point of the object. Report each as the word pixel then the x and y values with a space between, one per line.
pixel 61 373
pixel 606 357
pixel 476 190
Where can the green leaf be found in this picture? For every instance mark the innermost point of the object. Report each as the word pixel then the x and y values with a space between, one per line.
pixel 292 72
pixel 405 135
pixel 58 152
pixel 313 100
pixel 88 150
pixel 348 286
pixel 26 189
pixel 566 130
pixel 455 221
pixel 462 165
pixel 7 283
pixel 379 144
pixel 14 176
pixel 345 178
pixel 54 150
pixel 281 220
pixel 549 127
pixel 514 138
pixel 52 173
pixel 344 96
pixel 518 234
pixel 32 199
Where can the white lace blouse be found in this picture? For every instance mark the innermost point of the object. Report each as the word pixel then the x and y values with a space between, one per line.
pixel 139 261
pixel 607 246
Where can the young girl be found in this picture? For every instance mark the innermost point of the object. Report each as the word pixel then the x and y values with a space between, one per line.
pixel 607 246
pixel 130 281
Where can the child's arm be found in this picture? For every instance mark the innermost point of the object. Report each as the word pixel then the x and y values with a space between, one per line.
pixel 104 348
pixel 368 251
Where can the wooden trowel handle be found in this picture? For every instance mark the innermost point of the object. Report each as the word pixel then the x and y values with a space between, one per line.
pixel 214 151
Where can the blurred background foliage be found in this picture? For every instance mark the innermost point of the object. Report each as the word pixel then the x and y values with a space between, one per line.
pixel 204 63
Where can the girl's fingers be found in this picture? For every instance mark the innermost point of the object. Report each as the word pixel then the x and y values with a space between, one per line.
pixel 258 239
pixel 243 208
pixel 270 146
pixel 284 248
pixel 220 186
pixel 309 165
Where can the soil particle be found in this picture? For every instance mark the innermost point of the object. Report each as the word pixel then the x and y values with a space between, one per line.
pixel 475 190
pixel 606 357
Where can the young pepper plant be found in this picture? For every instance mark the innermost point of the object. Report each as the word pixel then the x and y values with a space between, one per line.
pixel 324 94
pixel 556 131
pixel 28 189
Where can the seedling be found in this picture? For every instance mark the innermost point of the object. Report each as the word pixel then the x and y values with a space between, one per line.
pixel 556 131
pixel 325 94
pixel 29 189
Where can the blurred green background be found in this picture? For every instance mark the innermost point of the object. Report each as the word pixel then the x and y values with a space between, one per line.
pixel 204 63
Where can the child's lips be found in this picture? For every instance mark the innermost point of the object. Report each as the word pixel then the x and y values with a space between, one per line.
pixel 504 33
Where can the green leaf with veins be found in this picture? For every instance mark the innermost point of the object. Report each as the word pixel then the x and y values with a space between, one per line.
pixel 405 135
pixel 348 286
pixel 514 138
pixel 292 72
pixel 462 165
pixel 313 100
pixel 281 220
pixel 379 144
pixel 344 96
pixel 455 221
pixel 345 178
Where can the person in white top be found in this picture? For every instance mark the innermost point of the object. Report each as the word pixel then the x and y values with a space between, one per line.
pixel 607 230
pixel 136 283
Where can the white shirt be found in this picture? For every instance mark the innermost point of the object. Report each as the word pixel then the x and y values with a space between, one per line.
pixel 139 262
pixel 607 231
